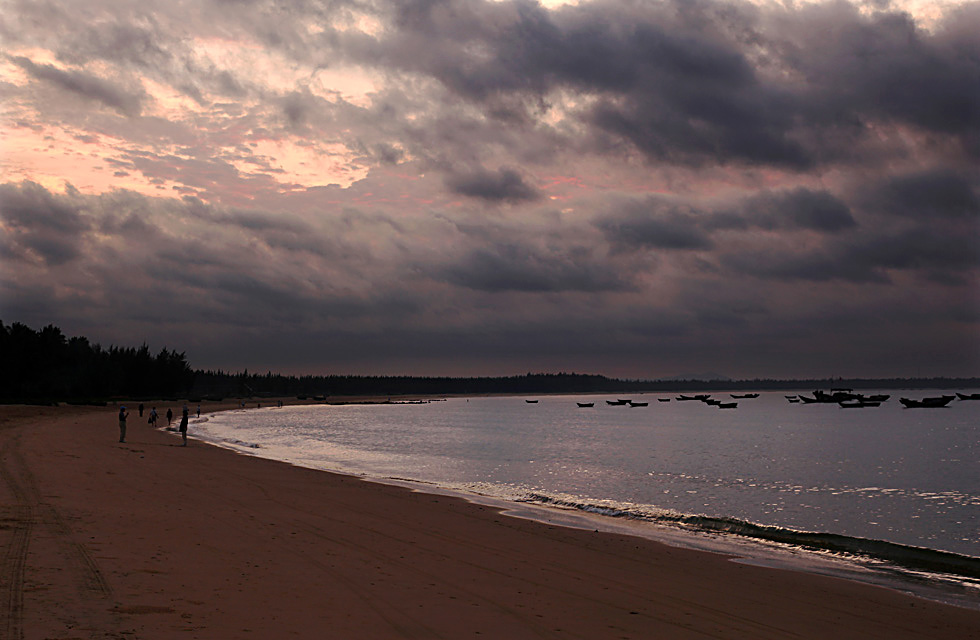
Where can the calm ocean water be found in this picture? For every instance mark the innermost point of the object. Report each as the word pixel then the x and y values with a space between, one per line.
pixel 898 488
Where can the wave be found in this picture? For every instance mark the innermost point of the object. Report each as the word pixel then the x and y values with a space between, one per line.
pixel 901 555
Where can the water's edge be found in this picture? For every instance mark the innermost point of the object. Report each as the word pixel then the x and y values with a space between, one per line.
pixel 935 575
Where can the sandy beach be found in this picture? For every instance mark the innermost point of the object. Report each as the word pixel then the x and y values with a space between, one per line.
pixel 147 539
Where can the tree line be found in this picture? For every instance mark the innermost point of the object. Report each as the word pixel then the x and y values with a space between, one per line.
pixel 245 384
pixel 46 366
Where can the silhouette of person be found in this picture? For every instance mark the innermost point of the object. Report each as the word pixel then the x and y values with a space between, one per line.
pixel 170 416
pixel 183 426
pixel 140 409
pixel 198 411
pixel 153 417
pixel 122 423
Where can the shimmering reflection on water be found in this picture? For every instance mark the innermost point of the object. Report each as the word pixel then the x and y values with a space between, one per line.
pixel 902 475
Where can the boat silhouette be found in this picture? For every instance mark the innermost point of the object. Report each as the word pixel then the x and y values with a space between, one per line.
pixel 930 403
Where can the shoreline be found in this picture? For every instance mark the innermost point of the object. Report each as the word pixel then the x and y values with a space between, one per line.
pixel 147 538
pixel 927 581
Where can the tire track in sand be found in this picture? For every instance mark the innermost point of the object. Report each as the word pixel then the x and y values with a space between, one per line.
pixel 20 520
pixel 17 524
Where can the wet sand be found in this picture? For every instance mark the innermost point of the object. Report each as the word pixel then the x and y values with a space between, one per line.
pixel 148 539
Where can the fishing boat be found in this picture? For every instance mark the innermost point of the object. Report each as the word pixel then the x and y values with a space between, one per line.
pixel 968 396
pixel 745 395
pixel 858 404
pixel 638 404
pixel 835 396
pixel 727 405
pixel 531 401
pixel 931 403
pixel 616 403
pixel 585 404
pixel 663 399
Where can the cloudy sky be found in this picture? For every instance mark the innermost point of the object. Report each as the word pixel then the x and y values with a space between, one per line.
pixel 471 187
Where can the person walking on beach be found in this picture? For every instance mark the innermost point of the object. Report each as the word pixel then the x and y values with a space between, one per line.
pixel 170 416
pixel 122 424
pixel 153 417
pixel 183 426
pixel 198 411
pixel 140 409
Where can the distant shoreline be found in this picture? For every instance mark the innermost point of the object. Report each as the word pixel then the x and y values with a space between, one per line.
pixel 380 389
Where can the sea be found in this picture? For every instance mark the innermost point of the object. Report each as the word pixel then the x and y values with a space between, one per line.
pixel 885 495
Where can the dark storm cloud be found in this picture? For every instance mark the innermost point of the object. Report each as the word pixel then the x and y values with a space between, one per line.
pixel 655 224
pixel 929 195
pixel 706 83
pixel 815 265
pixel 798 208
pixel 939 255
pixel 516 266
pixel 39 225
pixel 673 83
pixel 885 66
pixel 177 261
pixel 673 224
pixel 127 102
pixel 503 185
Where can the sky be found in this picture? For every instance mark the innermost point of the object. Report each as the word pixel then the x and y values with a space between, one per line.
pixel 637 189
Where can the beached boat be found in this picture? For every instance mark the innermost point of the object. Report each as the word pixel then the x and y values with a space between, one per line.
pixel 744 395
pixel 531 401
pixel 663 399
pixel 932 403
pixel 727 405
pixel 616 403
pixel 701 396
pixel 585 404
pixel 638 404
pixel 968 396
